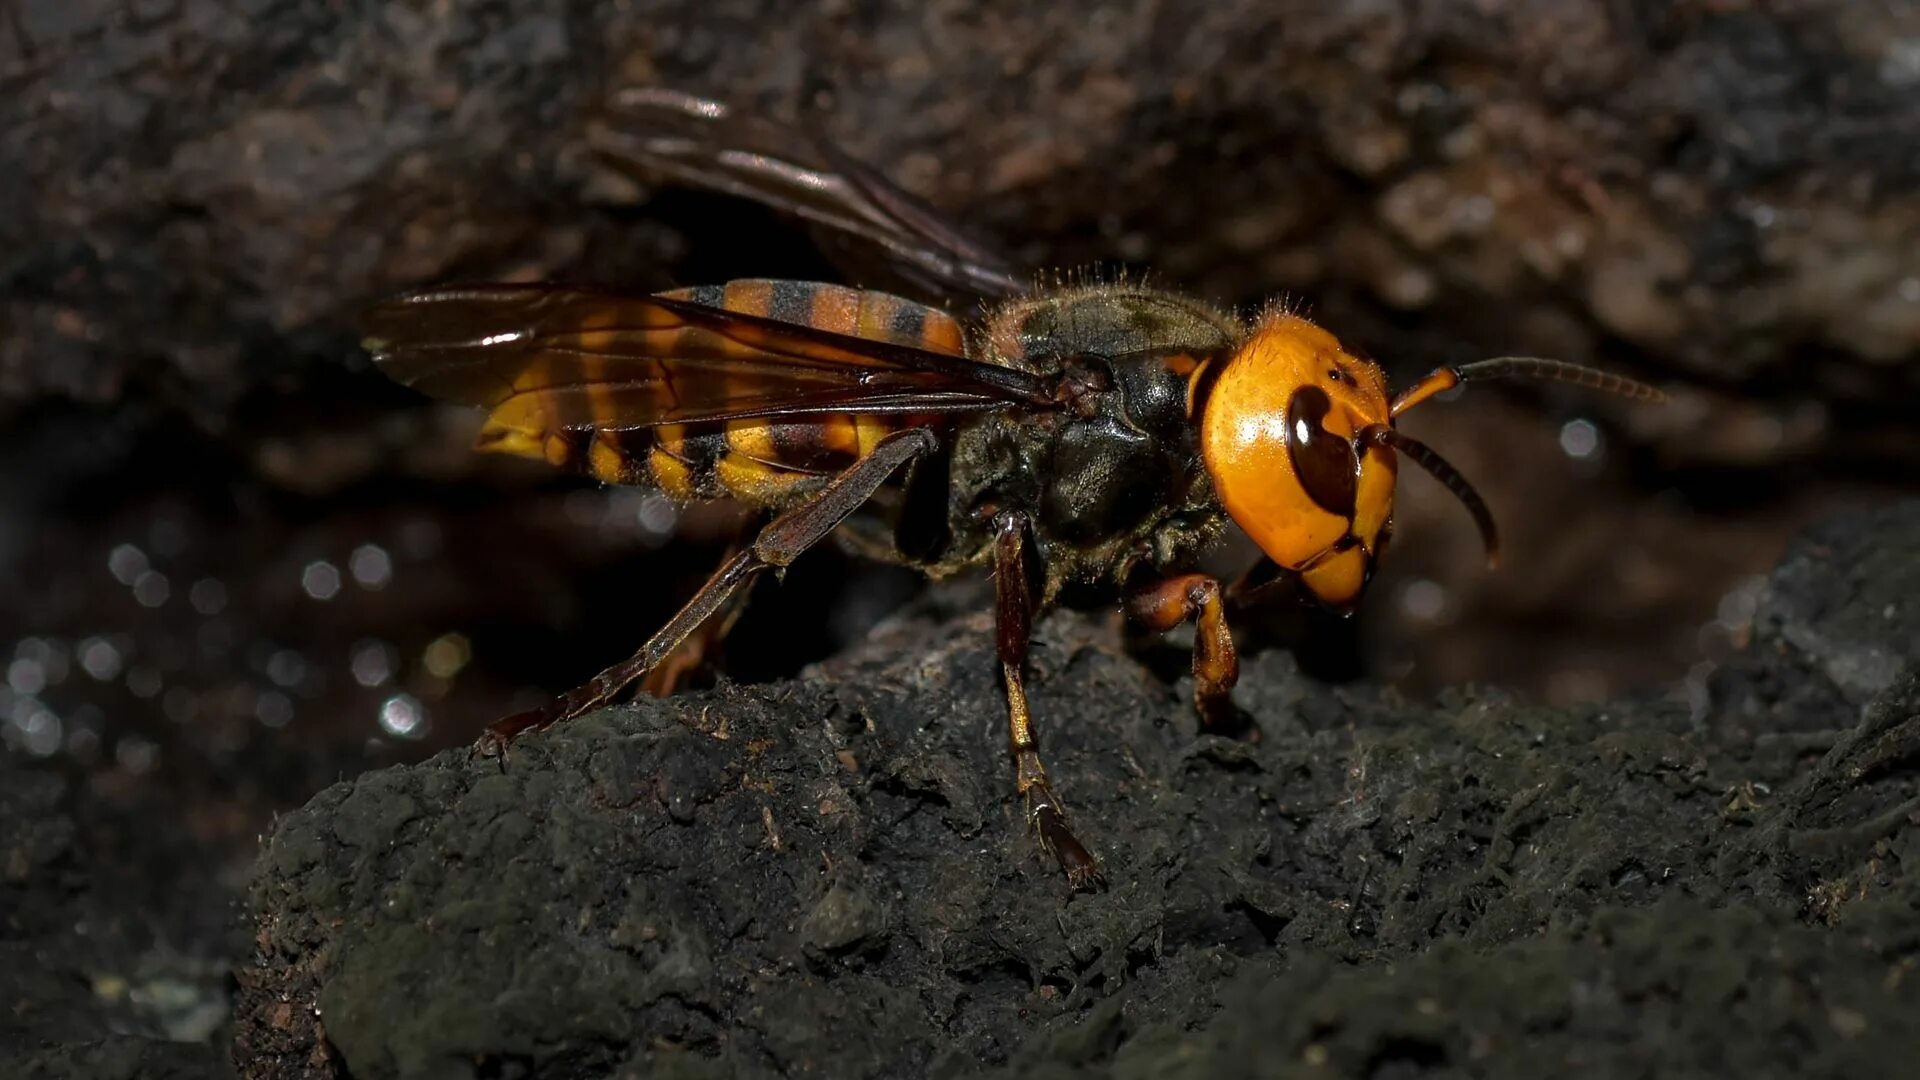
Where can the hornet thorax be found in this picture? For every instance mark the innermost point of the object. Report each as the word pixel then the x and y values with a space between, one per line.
pixel 1113 477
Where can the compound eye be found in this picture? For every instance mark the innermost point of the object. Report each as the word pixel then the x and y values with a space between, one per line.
pixel 1325 463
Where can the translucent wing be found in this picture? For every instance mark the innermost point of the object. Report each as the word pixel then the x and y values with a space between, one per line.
pixel 703 143
pixel 544 359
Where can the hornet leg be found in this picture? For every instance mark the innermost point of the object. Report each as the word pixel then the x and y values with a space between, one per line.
pixel 782 541
pixel 1013 620
pixel 666 679
pixel 1216 667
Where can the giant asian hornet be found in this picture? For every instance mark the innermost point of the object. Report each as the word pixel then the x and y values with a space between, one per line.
pixel 1087 441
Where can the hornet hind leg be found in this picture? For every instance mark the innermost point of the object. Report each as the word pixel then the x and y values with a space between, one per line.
pixel 778 545
pixel 702 646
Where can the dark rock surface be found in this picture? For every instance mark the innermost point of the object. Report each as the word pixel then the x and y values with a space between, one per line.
pixel 1854 633
pixel 115 935
pixel 828 877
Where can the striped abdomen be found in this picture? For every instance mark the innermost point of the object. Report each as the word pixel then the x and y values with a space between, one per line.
pixel 763 460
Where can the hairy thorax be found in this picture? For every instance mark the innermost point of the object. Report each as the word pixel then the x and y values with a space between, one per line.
pixel 1113 480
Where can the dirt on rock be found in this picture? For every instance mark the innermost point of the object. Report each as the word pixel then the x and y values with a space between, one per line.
pixel 829 876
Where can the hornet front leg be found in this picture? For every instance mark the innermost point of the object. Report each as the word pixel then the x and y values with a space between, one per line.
pixel 1216 667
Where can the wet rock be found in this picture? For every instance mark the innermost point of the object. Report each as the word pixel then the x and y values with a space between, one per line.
pixel 828 877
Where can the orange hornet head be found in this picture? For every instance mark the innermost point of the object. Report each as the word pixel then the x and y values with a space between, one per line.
pixel 1298 437
pixel 1286 433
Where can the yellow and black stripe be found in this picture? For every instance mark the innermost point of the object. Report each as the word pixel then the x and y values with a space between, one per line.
pixel 765 461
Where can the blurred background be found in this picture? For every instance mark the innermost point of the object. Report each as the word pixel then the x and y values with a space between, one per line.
pixel 239 564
